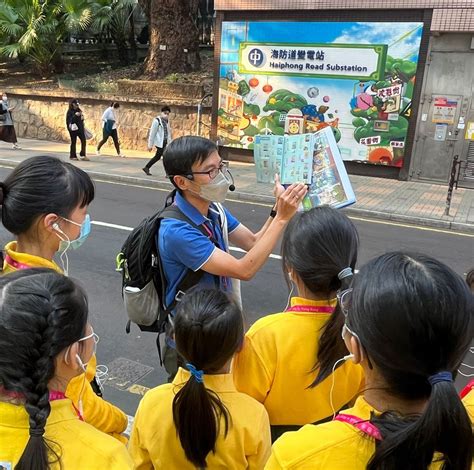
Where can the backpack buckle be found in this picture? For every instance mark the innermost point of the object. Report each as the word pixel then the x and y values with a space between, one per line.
pixel 179 296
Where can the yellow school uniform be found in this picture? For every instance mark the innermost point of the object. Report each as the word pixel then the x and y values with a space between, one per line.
pixel 154 442
pixel 276 362
pixel 334 445
pixel 95 410
pixel 81 446
pixel 468 401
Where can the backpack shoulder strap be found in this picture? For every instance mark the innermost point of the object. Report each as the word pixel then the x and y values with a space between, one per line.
pixel 191 278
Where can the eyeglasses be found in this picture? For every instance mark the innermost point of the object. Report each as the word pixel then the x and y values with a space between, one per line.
pixel 344 297
pixel 211 173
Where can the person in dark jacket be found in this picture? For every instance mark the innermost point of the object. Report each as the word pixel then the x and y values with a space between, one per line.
pixel 75 127
pixel 7 130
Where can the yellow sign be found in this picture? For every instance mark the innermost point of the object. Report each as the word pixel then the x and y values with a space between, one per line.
pixel 469 131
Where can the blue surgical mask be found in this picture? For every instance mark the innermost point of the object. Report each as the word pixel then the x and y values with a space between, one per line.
pixel 75 244
pixel 66 243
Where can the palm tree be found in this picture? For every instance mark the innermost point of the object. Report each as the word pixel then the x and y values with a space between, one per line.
pixel 36 29
pixel 113 18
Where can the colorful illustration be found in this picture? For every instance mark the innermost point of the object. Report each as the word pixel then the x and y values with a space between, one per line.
pixel 313 159
pixel 356 79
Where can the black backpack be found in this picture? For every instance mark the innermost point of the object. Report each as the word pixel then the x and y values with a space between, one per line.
pixel 143 280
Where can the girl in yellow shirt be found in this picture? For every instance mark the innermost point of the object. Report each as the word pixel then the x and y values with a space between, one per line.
pixel 45 341
pixel 44 203
pixel 409 321
pixel 200 419
pixel 287 359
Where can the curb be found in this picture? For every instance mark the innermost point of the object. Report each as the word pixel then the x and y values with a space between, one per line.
pixel 264 199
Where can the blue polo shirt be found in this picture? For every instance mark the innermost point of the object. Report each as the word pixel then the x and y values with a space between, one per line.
pixel 184 247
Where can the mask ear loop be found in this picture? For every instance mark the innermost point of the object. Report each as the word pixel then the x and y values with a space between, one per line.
pixel 63 256
pixel 333 382
pixel 289 296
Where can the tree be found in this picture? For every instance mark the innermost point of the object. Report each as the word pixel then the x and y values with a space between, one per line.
pixel 36 28
pixel 174 37
pixel 113 17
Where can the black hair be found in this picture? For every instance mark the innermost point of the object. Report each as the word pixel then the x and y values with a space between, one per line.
pixel 73 102
pixel 165 109
pixel 182 153
pixel 208 330
pixel 39 186
pixel 318 245
pixel 470 279
pixel 42 313
pixel 115 104
pixel 414 317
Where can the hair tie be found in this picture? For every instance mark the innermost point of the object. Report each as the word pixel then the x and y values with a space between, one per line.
pixel 36 432
pixel 346 272
pixel 197 374
pixel 445 376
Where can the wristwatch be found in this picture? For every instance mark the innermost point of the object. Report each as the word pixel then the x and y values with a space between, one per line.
pixel 273 212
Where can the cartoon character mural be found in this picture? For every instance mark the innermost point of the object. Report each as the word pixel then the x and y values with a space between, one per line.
pixel 368 116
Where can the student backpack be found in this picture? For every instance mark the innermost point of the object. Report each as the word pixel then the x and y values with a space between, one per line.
pixel 143 279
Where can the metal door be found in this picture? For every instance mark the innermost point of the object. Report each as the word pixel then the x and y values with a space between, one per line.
pixel 439 137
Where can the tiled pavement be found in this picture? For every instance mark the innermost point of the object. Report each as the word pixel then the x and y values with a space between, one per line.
pixel 411 202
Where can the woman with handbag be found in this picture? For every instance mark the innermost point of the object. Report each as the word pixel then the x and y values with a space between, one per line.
pixel 7 130
pixel 75 127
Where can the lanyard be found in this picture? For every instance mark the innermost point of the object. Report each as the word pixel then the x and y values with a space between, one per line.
pixel 214 239
pixel 53 396
pixel 365 426
pixel 16 264
pixel 311 309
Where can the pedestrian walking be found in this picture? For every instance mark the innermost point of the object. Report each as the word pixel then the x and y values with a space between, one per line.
pixel 160 136
pixel 300 345
pixel 46 341
pixel 201 420
pixel 409 323
pixel 109 128
pixel 7 129
pixel 75 127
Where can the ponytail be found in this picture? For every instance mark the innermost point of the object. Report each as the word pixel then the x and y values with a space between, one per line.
pixel 331 345
pixel 411 444
pixel 197 412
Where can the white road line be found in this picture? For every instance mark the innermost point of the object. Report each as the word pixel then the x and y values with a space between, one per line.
pixel 129 229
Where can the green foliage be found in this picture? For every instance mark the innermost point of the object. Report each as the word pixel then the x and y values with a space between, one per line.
pixel 36 28
pixel 283 100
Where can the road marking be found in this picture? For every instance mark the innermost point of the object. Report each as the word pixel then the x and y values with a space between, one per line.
pixel 417 227
pixel 138 389
pixel 362 219
pixel 129 229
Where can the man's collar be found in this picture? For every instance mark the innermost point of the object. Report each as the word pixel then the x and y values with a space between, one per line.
pixel 189 210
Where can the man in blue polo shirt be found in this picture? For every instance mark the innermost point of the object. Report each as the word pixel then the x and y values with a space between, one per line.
pixel 202 180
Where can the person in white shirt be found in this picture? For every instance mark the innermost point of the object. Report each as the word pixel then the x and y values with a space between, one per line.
pixel 160 136
pixel 109 128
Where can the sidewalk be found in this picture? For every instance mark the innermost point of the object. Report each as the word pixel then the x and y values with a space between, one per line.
pixel 407 202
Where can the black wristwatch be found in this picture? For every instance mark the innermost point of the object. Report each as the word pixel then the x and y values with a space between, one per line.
pixel 273 213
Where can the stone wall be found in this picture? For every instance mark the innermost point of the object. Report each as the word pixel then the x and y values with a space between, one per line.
pixel 42 115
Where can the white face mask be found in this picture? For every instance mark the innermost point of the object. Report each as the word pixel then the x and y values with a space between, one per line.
pixel 4 98
pixel 216 190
